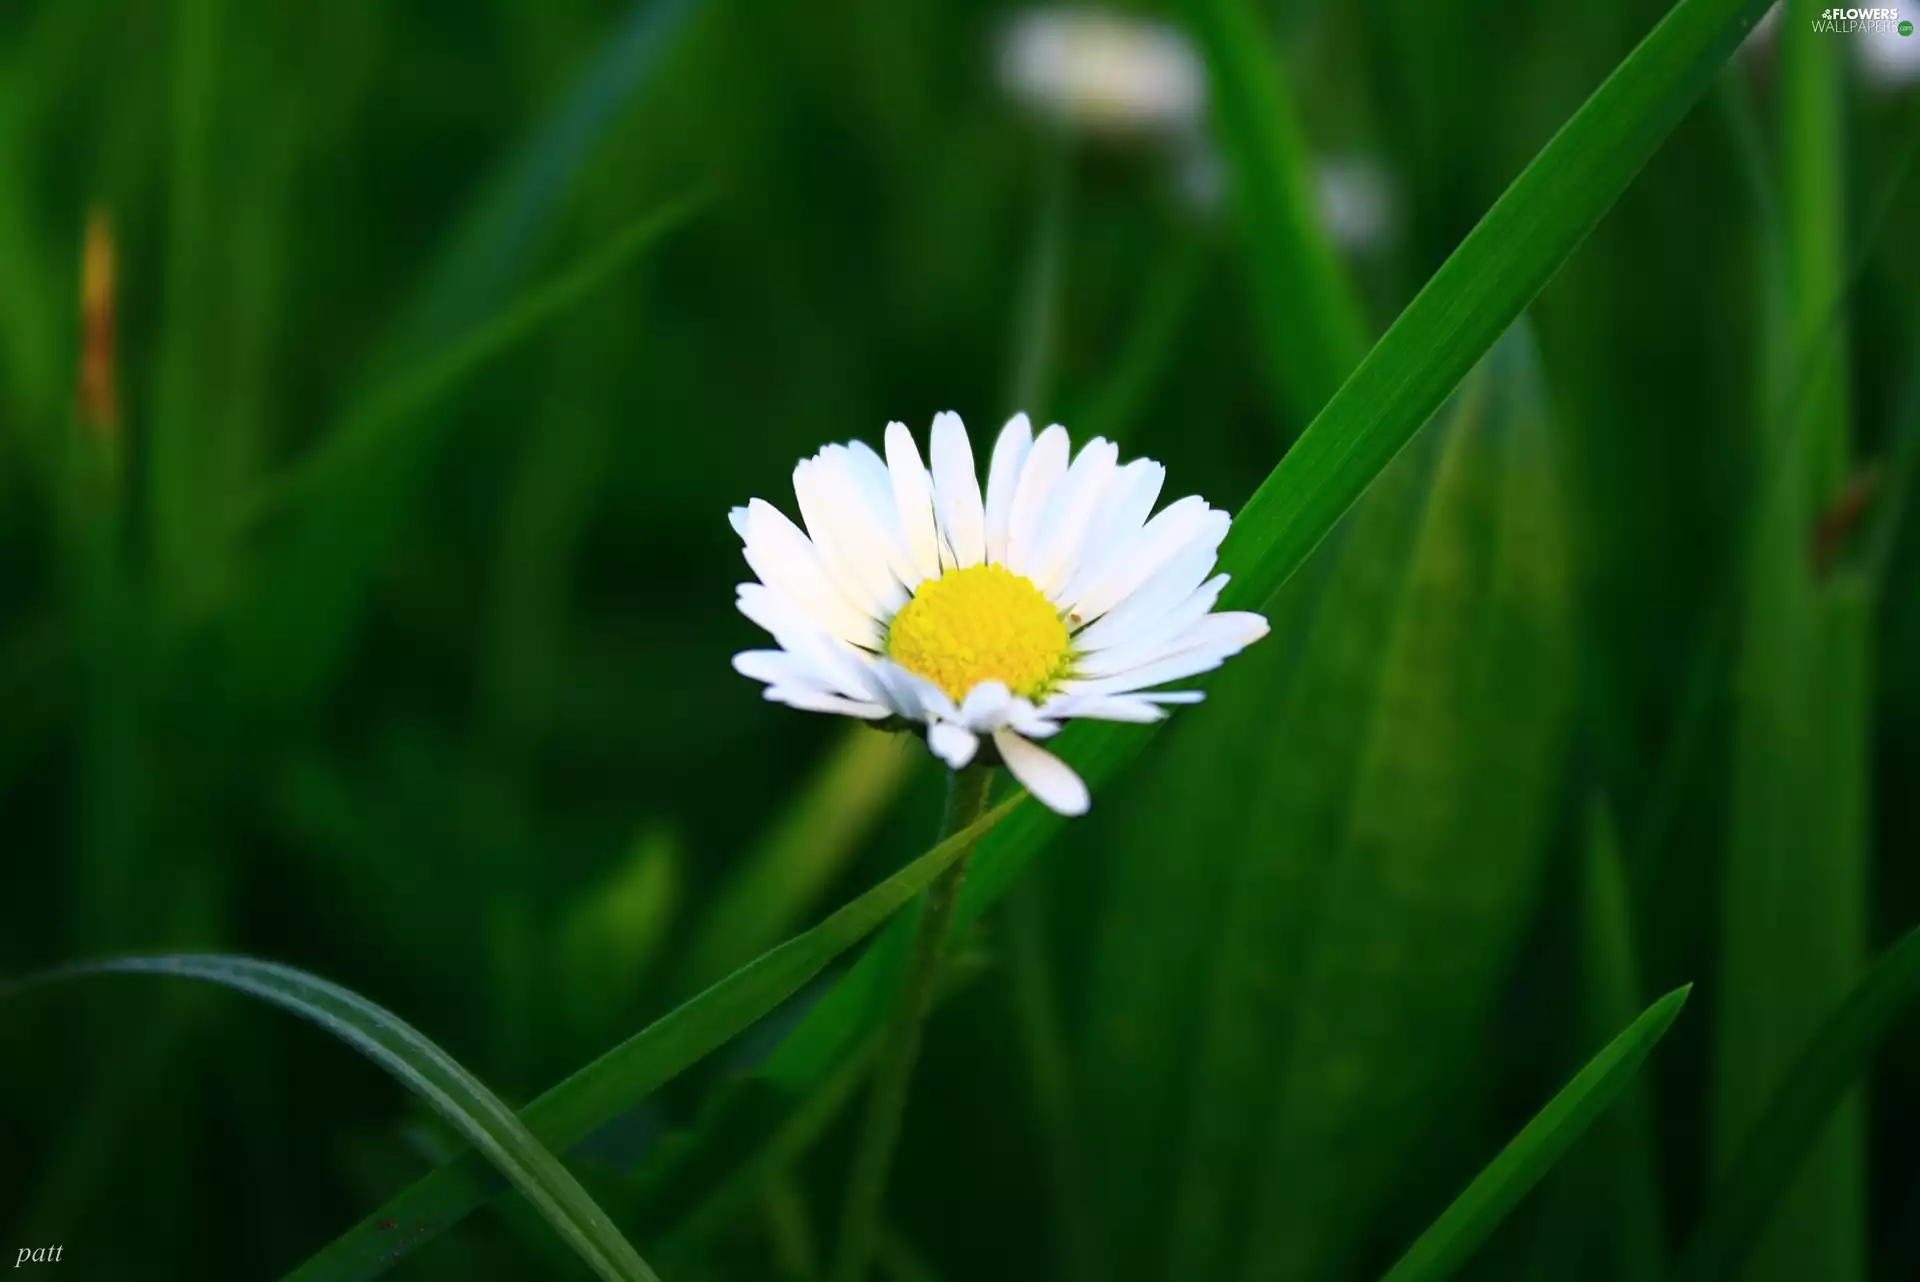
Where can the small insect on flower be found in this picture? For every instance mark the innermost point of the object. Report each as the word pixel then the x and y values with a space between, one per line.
pixel 911 597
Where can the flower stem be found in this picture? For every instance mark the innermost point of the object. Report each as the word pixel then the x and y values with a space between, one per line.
pixel 866 1188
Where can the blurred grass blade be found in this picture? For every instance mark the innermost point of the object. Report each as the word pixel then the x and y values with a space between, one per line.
pixel 1625 1167
pixel 1771 1153
pixel 294 628
pixel 1455 320
pixel 1037 333
pixel 294 633
pixel 1314 330
pixel 1141 359
pixel 611 936
pixel 1389 882
pixel 183 433
pixel 427 1071
pixel 1460 1230
pixel 631 1071
pixel 1795 878
pixel 1176 937
pixel 372 425
pixel 817 832
pixel 487 255
pixel 1895 490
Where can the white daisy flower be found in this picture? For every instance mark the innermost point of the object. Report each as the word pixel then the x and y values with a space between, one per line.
pixel 910 596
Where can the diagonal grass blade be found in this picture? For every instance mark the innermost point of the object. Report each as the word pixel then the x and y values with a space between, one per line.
pixel 631 1071
pixel 1494 1193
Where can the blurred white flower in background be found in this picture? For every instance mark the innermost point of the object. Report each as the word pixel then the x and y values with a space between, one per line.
pixel 1105 72
pixel 1119 76
pixel 1356 200
pixel 1889 59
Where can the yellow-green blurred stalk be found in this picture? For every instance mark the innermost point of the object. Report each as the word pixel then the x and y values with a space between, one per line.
pixel 1794 891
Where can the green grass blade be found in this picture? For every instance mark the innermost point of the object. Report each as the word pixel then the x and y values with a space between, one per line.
pixel 370 427
pixel 1143 357
pixel 1626 1169
pixel 613 933
pixel 1455 320
pixel 1391 916
pixel 1314 330
pixel 1794 883
pixel 487 256
pixel 179 444
pixel 1213 940
pixel 294 632
pixel 1474 1215
pixel 1481 288
pixel 628 1073
pixel 787 870
pixel 1894 491
pixel 1771 1153
pixel 426 1070
pixel 294 627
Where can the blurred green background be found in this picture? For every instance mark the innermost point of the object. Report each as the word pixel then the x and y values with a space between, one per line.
pixel 379 625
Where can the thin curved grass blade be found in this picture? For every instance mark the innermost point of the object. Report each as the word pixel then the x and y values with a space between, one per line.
pixel 631 1071
pixel 1494 1193
pixel 426 1070
pixel 1770 1155
pixel 311 597
pixel 377 415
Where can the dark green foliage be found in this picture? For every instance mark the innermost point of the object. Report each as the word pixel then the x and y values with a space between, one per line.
pixel 379 626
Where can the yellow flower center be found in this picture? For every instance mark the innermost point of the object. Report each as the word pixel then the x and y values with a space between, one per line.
pixel 983 623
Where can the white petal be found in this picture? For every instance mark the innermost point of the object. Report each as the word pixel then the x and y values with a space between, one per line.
pixel 737 518
pixel 813 701
pixel 870 473
pixel 842 555
pixel 1107 707
pixel 986 706
pixel 913 495
pixel 786 560
pixel 1213 640
pixel 1230 633
pixel 1130 499
pixel 913 696
pixel 1149 605
pixel 952 744
pixel 859 535
pixel 798 634
pixel 785 668
pixel 1030 721
pixel 1044 775
pixel 1046 465
pixel 1124 508
pixel 956 491
pixel 1003 477
pixel 1176 529
pixel 1141 644
pixel 1057 553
